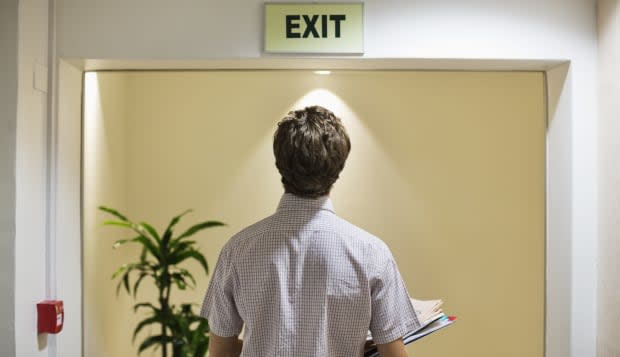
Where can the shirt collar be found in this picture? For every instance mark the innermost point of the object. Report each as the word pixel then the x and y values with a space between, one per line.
pixel 290 201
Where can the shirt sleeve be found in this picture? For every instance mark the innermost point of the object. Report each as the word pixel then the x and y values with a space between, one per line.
pixel 393 315
pixel 219 306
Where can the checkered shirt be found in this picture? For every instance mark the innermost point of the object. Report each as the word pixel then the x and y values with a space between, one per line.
pixel 307 283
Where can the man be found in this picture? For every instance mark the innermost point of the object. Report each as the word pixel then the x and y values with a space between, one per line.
pixel 303 281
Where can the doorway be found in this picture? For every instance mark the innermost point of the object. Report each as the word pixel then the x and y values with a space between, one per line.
pixel 447 167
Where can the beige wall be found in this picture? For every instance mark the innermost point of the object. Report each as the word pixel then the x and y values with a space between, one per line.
pixel 608 344
pixel 446 167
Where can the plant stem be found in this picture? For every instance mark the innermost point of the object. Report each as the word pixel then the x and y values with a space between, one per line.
pixel 164 310
pixel 167 298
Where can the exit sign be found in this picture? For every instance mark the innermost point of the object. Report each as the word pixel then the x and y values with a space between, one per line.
pixel 314 28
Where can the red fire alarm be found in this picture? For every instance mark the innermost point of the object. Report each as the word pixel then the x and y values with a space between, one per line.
pixel 51 316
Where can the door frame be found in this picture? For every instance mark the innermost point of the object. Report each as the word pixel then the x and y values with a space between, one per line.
pixel 64 253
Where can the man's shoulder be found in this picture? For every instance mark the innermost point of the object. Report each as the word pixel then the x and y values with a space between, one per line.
pixel 378 252
pixel 256 228
pixel 339 227
pixel 352 231
pixel 250 231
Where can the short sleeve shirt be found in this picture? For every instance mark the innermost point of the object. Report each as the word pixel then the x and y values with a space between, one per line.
pixel 305 282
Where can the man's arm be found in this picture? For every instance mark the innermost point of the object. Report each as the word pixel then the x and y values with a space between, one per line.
pixel 225 346
pixel 392 349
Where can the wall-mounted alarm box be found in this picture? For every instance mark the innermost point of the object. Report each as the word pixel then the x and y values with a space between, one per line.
pixel 51 316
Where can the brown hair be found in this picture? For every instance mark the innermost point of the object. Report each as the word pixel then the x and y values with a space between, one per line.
pixel 311 147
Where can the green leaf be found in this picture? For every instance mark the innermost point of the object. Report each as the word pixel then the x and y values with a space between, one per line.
pixel 151 231
pixel 201 259
pixel 126 282
pixel 137 283
pixel 198 227
pixel 118 287
pixel 120 242
pixel 129 267
pixel 113 212
pixel 180 247
pixel 143 323
pixel 143 254
pixel 152 340
pixel 120 270
pixel 201 350
pixel 119 223
pixel 173 222
pixel 148 244
pixel 203 327
pixel 146 304
pixel 191 254
pixel 186 309
pixel 181 257
pixel 178 279
pixel 189 275
pixel 180 252
pixel 177 348
pixel 200 338
pixel 138 228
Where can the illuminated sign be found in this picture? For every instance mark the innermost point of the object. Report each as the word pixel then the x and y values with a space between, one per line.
pixel 314 28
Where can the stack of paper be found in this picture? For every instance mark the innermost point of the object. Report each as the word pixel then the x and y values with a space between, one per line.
pixel 427 310
pixel 431 319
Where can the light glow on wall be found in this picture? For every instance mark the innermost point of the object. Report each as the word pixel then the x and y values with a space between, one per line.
pixel 368 165
pixel 324 98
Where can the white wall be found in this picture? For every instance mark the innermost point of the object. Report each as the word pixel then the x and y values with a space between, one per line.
pixel 192 29
pixel 8 116
pixel 31 285
pixel 559 211
pixel 66 226
pixel 608 344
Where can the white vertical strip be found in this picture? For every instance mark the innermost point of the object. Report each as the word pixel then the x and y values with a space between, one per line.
pixel 585 210
pixel 68 239
pixel 52 165
pixel 559 210
pixel 50 286
pixel 64 249
pixel 608 343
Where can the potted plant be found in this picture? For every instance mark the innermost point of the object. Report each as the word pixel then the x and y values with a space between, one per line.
pixel 159 261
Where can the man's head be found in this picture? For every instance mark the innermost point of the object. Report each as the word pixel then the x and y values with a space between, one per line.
pixel 311 147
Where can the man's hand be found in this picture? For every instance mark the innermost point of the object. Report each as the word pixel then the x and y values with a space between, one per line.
pixel 392 349
pixel 224 346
